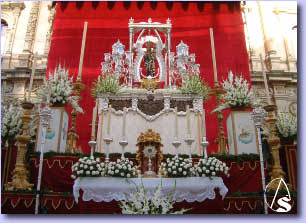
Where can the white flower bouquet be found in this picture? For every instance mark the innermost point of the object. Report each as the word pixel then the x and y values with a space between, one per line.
pixel 178 167
pixel 286 125
pixel 11 124
pixel 121 168
pixel 211 167
pixel 87 167
pixel 60 86
pixel 238 92
pixel 138 202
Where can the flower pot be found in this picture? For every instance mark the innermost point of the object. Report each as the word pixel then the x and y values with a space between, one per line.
pixel 241 108
pixel 58 105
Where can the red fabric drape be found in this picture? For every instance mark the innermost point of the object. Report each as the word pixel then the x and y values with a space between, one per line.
pixel 108 22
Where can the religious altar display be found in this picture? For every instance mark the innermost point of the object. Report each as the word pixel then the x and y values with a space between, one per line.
pixel 188 189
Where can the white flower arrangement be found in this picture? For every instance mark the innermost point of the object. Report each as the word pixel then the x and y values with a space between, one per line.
pixel 238 91
pixel 60 86
pixel 121 168
pixel 178 167
pixel 138 202
pixel 87 167
pixel 11 124
pixel 286 125
pixel 211 167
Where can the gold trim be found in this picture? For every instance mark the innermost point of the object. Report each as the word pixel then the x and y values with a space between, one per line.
pixel 291 168
pixel 60 131
pixel 234 133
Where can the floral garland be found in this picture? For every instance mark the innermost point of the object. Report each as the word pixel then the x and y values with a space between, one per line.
pixel 60 86
pixel 121 168
pixel 178 167
pixel 238 91
pixel 11 124
pixel 211 167
pixel 286 125
pixel 88 167
pixel 138 203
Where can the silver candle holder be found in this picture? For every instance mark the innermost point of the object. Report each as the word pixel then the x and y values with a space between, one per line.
pixel 108 141
pixel 123 143
pixel 204 144
pixel 189 142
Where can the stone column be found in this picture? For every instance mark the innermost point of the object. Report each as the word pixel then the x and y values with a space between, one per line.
pixel 24 58
pixel 50 31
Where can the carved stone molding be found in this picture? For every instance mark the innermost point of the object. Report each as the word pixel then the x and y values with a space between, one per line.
pixel 50 31
pixel 31 28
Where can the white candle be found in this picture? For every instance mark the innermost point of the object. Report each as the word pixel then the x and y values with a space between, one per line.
pixel 176 123
pixel 124 120
pixel 82 51
pixel 93 124
pixel 265 79
pixel 213 54
pixel 109 119
pixel 204 124
pixel 188 120
pixel 32 76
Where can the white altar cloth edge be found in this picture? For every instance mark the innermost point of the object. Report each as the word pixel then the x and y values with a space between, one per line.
pixel 107 189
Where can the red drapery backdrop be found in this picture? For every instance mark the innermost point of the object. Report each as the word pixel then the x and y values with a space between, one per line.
pixel 108 21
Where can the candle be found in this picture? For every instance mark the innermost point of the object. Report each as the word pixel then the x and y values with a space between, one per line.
pixel 82 51
pixel 109 119
pixel 32 76
pixel 124 120
pixel 93 124
pixel 204 124
pixel 265 79
pixel 188 120
pixel 176 123
pixel 213 54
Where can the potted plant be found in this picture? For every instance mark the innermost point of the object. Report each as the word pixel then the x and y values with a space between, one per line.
pixel 107 83
pixel 59 87
pixel 286 126
pixel 194 84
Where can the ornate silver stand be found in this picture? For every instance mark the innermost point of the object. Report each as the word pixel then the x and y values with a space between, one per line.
pixel 258 118
pixel 189 142
pixel 108 141
pixel 45 117
pixel 204 143
pixel 176 143
pixel 92 145
pixel 123 143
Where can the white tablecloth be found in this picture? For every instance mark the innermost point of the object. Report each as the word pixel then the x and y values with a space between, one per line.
pixel 107 189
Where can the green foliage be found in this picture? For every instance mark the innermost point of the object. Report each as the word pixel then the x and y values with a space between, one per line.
pixel 193 84
pixel 109 83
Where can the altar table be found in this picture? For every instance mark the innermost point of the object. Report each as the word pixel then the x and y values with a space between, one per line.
pixel 107 189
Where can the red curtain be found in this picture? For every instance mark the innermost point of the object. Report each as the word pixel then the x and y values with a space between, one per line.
pixel 108 22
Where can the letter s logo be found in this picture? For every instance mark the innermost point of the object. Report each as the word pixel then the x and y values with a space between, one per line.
pixel 284 205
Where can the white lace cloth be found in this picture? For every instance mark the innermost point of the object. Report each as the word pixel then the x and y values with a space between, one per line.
pixel 107 189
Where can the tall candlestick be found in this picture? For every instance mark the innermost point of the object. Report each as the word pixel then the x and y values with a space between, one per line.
pixel 213 54
pixel 265 79
pixel 82 51
pixel 48 96
pixel 204 124
pixel 188 120
pixel 109 119
pixel 176 123
pixel 93 124
pixel 124 120
pixel 32 76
